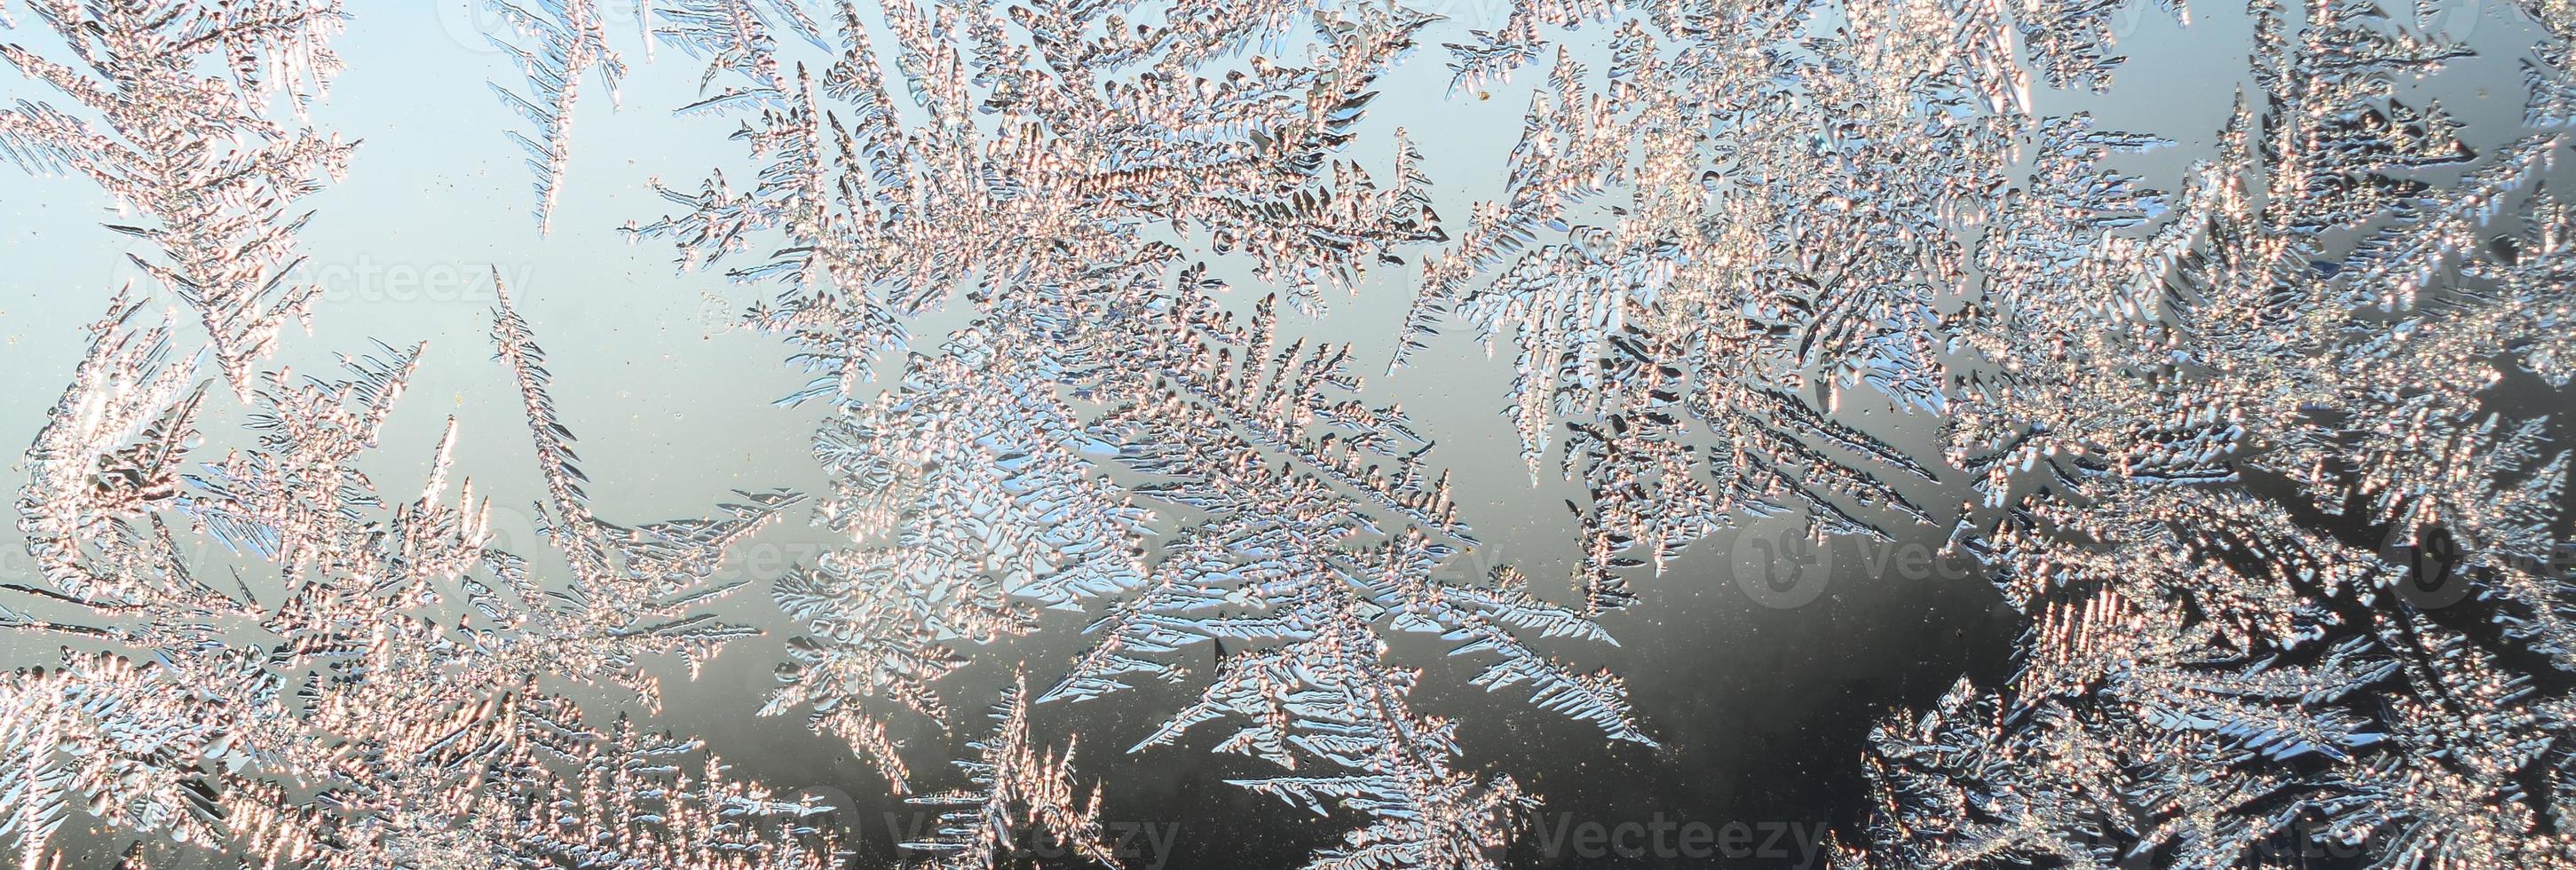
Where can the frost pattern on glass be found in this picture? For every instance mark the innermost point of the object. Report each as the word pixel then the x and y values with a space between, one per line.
pixel 1106 431
pixel 1786 216
pixel 2294 574
pixel 566 39
pixel 339 683
pixel 1011 778
pixel 359 688
pixel 2241 452
pixel 182 128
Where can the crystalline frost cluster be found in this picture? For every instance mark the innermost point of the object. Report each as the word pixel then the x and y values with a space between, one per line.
pixel 2238 452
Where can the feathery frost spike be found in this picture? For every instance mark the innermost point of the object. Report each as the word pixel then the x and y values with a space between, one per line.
pixel 204 158
pixel 2256 458
pixel 1108 432
pixel 1687 352
pixel 361 689
pixel 2296 577
pixel 1016 783
pixel 384 662
pixel 570 39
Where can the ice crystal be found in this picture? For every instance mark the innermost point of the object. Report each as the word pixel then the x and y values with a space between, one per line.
pixel 181 128
pixel 1011 778
pixel 1800 206
pixel 1286 517
pixel 2071 43
pixel 2294 577
pixel 379 707
pixel 570 39
pixel 1788 221
pixel 2255 457
pixel 339 684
